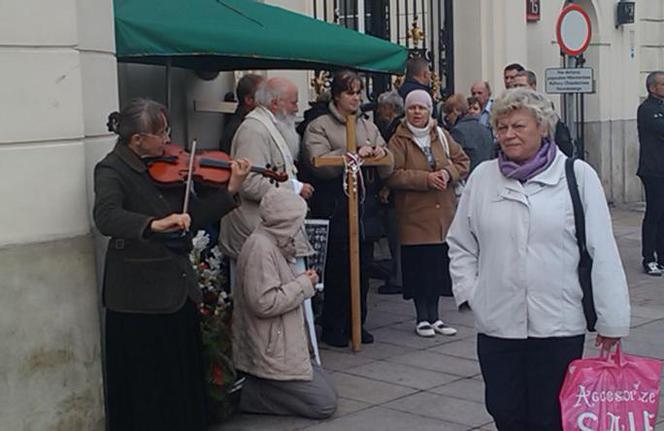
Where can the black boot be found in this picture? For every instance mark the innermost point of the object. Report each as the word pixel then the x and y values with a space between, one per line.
pixel 367 338
pixel 334 338
pixel 389 289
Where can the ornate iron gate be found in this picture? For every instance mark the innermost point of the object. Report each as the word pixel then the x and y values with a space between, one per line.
pixel 423 26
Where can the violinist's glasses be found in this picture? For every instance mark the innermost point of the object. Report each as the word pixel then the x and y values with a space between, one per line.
pixel 165 134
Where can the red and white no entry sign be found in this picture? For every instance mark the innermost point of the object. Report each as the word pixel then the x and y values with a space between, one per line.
pixel 573 30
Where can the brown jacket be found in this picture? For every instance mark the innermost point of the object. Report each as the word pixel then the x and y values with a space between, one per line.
pixel 269 334
pixel 424 214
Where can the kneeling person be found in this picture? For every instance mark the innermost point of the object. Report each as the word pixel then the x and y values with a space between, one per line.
pixel 270 340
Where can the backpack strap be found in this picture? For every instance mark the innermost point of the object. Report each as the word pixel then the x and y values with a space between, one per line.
pixel 585 260
pixel 579 215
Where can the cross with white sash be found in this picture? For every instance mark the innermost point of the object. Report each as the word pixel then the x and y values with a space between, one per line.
pixel 352 162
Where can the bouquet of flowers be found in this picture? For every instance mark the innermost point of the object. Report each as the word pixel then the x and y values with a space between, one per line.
pixel 216 312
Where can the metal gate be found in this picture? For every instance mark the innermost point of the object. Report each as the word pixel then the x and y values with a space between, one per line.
pixel 425 27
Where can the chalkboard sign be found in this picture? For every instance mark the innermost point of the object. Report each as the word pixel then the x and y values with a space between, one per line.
pixel 318 233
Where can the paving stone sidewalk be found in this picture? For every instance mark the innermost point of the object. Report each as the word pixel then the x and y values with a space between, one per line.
pixel 404 382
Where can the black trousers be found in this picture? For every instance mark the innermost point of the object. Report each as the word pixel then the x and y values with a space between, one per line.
pixel 652 229
pixel 336 299
pixel 523 379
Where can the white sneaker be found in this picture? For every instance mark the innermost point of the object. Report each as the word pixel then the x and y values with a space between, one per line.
pixel 424 329
pixel 652 268
pixel 443 329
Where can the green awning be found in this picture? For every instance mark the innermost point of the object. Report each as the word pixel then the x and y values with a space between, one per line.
pixel 243 34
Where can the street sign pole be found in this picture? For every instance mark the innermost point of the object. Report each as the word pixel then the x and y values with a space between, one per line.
pixel 573 32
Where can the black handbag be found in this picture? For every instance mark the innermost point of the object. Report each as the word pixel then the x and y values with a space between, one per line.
pixel 585 261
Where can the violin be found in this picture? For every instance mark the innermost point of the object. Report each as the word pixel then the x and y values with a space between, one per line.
pixel 207 167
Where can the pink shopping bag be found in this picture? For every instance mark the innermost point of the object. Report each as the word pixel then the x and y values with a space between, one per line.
pixel 611 392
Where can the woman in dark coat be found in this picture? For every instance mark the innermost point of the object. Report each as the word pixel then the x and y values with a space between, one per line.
pixel 154 370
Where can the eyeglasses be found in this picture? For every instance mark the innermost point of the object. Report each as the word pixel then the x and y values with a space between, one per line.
pixel 165 134
pixel 518 129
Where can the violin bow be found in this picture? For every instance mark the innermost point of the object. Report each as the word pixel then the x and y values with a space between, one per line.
pixel 187 192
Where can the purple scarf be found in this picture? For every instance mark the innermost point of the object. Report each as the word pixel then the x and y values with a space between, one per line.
pixel 528 169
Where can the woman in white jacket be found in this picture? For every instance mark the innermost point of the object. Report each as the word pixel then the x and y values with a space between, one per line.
pixel 514 261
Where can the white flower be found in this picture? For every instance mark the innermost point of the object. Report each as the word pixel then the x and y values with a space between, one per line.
pixel 216 252
pixel 200 241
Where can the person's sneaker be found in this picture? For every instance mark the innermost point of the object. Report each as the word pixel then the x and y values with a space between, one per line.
pixel 424 329
pixel 367 338
pixel 442 329
pixel 652 268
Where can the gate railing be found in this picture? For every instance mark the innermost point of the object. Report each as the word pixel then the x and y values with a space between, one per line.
pixel 425 27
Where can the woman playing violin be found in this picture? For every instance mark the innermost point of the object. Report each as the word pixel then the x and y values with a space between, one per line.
pixel 154 369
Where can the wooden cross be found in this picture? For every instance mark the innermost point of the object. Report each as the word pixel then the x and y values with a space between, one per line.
pixel 353 224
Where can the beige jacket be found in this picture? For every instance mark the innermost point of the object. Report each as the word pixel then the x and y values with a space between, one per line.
pixel 254 142
pixel 326 136
pixel 269 335
pixel 424 214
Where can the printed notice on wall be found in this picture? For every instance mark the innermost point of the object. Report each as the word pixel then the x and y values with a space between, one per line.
pixel 569 80
pixel 318 233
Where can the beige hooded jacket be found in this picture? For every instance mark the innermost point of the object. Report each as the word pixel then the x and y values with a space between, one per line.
pixel 269 335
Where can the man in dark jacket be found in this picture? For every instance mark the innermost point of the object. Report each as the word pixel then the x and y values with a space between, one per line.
pixel 650 122
pixel 246 89
pixel 389 113
pixel 418 77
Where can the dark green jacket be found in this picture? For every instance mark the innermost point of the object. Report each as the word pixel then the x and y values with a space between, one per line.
pixel 142 274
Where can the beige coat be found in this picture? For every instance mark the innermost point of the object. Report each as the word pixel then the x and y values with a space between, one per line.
pixel 269 335
pixel 424 214
pixel 326 136
pixel 254 142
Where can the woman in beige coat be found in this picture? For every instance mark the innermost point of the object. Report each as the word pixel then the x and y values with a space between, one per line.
pixel 427 165
pixel 270 341
pixel 326 136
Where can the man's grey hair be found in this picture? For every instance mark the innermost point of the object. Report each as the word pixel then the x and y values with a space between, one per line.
pixel 270 90
pixel 525 98
pixel 651 79
pixel 530 77
pixel 392 98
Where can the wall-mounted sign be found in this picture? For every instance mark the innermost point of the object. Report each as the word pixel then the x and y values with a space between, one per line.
pixel 573 30
pixel 625 13
pixel 532 10
pixel 569 80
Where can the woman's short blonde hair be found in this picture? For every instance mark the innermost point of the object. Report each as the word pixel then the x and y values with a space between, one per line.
pixel 524 98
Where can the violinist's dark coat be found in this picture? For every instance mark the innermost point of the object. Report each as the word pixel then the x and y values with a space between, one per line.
pixel 141 274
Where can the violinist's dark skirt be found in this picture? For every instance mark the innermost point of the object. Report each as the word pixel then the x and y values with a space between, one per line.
pixel 154 371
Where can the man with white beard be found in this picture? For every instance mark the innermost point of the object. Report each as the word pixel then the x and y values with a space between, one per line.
pixel 267 136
